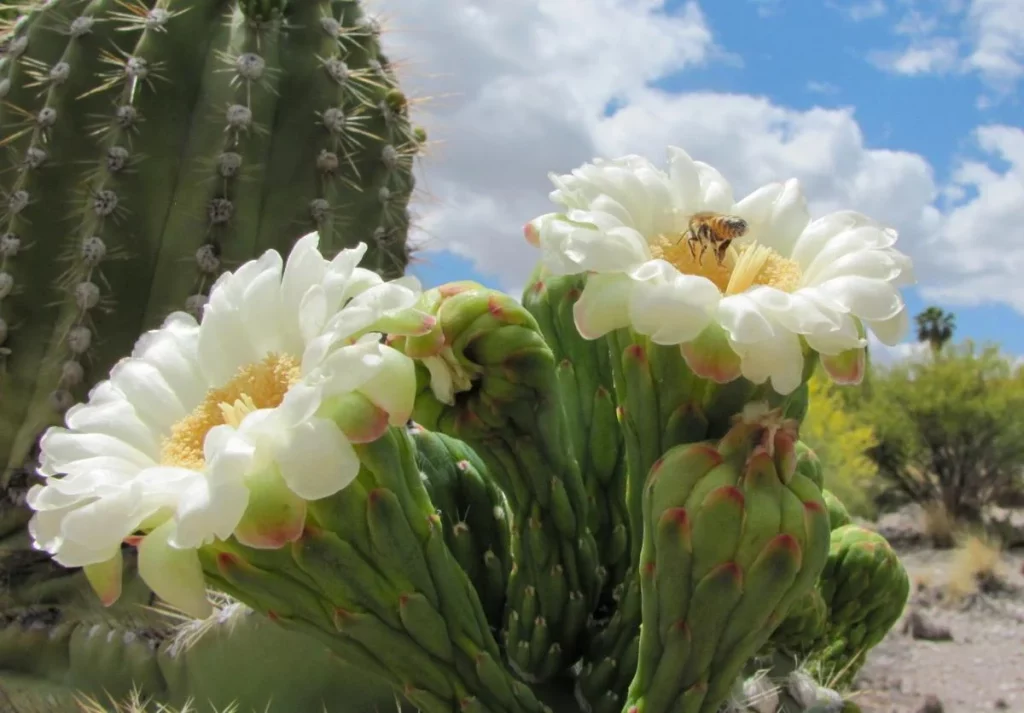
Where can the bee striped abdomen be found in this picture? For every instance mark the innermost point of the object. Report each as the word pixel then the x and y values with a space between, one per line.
pixel 714 230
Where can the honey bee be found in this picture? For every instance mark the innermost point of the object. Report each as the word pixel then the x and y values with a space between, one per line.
pixel 713 230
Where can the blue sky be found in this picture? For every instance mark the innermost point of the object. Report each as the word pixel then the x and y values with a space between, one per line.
pixel 802 55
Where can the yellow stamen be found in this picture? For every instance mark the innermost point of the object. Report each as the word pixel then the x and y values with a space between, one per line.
pixel 254 386
pixel 744 265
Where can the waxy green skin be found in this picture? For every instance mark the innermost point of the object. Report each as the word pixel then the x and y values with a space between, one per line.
pixel 587 390
pixel 662 404
pixel 372 578
pixel 866 588
pixel 733 535
pixel 148 145
pixel 512 416
pixel 474 514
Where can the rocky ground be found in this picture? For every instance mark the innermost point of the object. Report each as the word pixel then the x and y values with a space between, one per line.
pixel 979 667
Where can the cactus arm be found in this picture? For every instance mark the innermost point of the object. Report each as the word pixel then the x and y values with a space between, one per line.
pixel 663 404
pixel 508 411
pixel 238 657
pixel 587 390
pixel 382 590
pixel 733 536
pixel 473 512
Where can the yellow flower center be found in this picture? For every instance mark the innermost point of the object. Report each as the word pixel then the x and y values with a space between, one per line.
pixel 254 386
pixel 743 267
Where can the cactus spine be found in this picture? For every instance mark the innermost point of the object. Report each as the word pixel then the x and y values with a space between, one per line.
pixel 148 144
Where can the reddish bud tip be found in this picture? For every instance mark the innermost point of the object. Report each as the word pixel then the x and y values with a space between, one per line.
pixel 786 542
pixel 226 560
pixel 677 515
pixel 133 540
pixel 429 322
pixel 375 495
pixel 648 569
pixel 573 294
pixel 538 286
pixel 680 627
pixel 272 615
pixel 495 307
pixel 531 234
pixel 814 506
pixel 462 465
pixel 657 465
pixel 403 599
pixel 731 492
pixel 635 351
pixel 709 452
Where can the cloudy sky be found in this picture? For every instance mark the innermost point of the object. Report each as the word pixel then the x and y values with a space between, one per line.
pixel 907 110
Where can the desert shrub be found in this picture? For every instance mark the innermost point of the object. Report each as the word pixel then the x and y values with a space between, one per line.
pixel 841 437
pixel 950 427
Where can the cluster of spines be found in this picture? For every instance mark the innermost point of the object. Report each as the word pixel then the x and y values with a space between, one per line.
pixel 31 139
pixel 362 92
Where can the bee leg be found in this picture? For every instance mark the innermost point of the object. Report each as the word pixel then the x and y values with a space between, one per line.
pixel 692 242
pixel 723 247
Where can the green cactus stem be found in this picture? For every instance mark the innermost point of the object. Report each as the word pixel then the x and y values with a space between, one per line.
pixel 51 658
pixel 865 587
pixel 149 144
pixel 373 579
pixel 734 534
pixel 505 405
pixel 662 404
pixel 587 393
pixel 837 513
pixel 474 514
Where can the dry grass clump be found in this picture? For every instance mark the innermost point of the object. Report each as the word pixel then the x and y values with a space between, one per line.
pixel 977 567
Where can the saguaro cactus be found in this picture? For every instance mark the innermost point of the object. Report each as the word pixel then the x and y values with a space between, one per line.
pixel 495 556
pixel 150 143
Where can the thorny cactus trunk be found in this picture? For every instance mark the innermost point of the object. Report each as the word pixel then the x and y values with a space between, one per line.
pixel 148 144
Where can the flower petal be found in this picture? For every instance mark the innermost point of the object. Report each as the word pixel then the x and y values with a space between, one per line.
pixel 861 296
pixel 275 515
pixel 778 359
pixel 317 460
pixel 717 193
pixel 776 214
pixel 175 575
pixel 603 305
pixel 743 320
pixel 105 578
pixel 890 331
pixel 393 386
pixel 154 401
pixel 670 307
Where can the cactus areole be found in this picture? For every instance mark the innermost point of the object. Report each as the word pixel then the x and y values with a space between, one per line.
pixel 150 144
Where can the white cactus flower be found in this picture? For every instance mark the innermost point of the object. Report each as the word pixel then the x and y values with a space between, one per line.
pixel 207 422
pixel 787 285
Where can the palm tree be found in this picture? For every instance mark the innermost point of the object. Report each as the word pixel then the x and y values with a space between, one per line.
pixel 936 327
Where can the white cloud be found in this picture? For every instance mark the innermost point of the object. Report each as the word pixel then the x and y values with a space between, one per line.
pixel 933 56
pixel 984 37
pixel 817 87
pixel 522 86
pixel 980 247
pixel 860 11
pixel 524 89
pixel 767 8
pixel 997 27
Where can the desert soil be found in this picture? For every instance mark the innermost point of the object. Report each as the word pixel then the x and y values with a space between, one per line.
pixel 981 669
